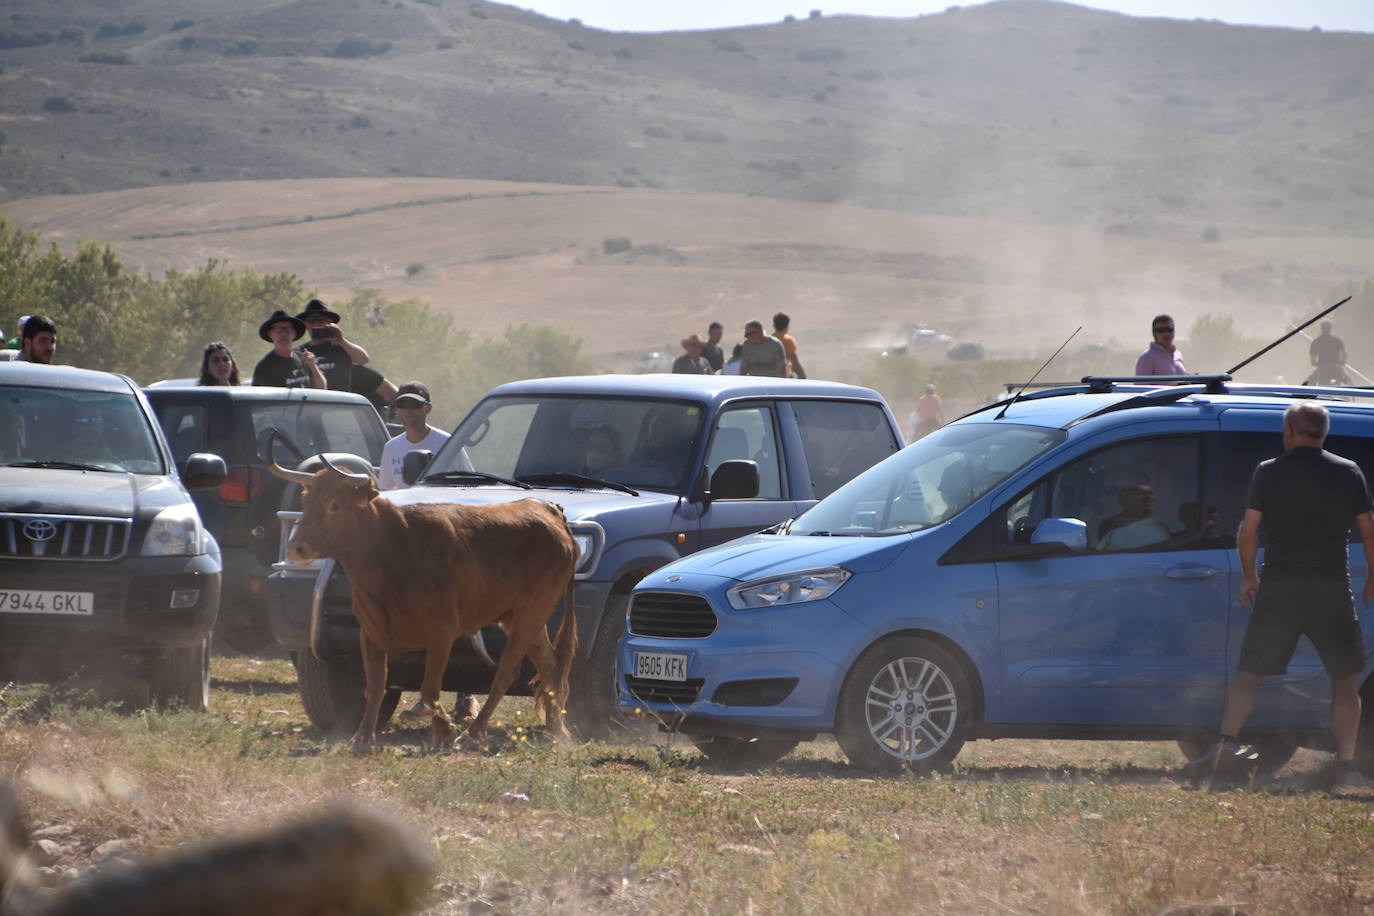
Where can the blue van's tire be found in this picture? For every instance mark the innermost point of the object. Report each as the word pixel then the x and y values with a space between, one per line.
pixel 743 753
pixel 905 705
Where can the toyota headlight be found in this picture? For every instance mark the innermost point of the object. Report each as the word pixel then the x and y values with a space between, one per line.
pixel 589 538
pixel 175 532
pixel 792 588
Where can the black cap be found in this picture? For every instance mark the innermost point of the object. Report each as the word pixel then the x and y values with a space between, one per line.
pixel 418 391
pixel 317 309
pixel 280 315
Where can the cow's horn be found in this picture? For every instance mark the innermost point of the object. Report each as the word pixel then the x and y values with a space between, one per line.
pixel 301 477
pixel 357 480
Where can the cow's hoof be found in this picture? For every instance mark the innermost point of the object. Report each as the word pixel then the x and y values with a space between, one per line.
pixel 470 743
pixel 361 746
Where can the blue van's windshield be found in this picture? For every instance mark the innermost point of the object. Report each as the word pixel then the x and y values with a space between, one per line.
pixel 928 482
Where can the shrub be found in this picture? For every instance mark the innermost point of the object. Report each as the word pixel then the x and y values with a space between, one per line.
pixel 661 133
pixel 359 47
pixel 789 18
pixel 106 57
pixel 245 48
pixel 477 11
pixel 868 76
pixel 444 45
pixel 165 173
pixel 577 45
pixel 734 47
pixel 616 245
pixel 820 55
pixel 814 14
pixel 626 53
pixel 704 136
pixel 182 24
pixel 359 122
pixel 58 104
pixel 115 30
pixel 413 269
pixel 434 3
pixel 575 21
pixel 187 42
pixel 1211 234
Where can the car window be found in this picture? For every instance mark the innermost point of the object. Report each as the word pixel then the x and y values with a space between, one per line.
pixel 186 427
pixel 841 439
pixel 748 433
pixel 637 442
pixel 59 425
pixel 1141 494
pixel 314 428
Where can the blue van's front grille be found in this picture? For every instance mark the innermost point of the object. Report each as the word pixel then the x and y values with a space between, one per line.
pixel 63 537
pixel 678 693
pixel 671 615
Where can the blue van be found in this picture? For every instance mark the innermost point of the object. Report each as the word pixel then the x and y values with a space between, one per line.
pixel 1061 565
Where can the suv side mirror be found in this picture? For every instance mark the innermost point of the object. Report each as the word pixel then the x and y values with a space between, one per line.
pixel 203 471
pixel 1066 533
pixel 735 479
pixel 414 464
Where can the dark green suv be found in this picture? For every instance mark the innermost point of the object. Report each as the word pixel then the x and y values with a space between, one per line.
pixel 235 422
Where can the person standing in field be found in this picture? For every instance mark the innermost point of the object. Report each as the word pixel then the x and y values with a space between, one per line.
pixel 691 362
pixel 929 414
pixel 760 355
pixel 1161 357
pixel 781 322
pixel 1327 353
pixel 711 349
pixel 1306 499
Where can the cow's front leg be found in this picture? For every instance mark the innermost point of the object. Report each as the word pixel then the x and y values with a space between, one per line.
pixel 374 674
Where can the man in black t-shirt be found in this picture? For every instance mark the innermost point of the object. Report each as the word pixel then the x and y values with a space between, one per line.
pixel 1327 353
pixel 285 367
pixel 1307 499
pixel 336 354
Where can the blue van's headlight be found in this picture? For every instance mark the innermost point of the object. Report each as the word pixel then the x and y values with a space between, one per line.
pixel 792 588
pixel 590 539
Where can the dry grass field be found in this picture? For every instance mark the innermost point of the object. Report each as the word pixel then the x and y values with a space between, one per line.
pixel 528 828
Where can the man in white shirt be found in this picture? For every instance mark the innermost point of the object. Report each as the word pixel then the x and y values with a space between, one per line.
pixel 412 409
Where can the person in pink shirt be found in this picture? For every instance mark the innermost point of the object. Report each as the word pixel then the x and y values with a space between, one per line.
pixel 1162 357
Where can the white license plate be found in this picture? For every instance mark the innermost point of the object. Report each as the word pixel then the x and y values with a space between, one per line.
pixel 30 601
pixel 659 666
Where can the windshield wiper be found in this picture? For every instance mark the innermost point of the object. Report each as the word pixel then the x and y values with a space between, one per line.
pixel 819 534
pixel 577 479
pixel 476 476
pixel 58 465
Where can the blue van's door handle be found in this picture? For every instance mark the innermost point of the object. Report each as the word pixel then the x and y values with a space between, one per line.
pixel 1191 571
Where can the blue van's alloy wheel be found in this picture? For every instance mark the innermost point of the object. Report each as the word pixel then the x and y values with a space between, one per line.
pixel 905 705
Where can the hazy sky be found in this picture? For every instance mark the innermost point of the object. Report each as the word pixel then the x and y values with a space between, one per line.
pixel 664 15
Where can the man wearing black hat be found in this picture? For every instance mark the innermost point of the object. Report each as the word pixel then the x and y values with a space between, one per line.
pixel 286 367
pixel 335 354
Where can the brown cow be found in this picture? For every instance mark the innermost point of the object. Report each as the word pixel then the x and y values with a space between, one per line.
pixel 424 575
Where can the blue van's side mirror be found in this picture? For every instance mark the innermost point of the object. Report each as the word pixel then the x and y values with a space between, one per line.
pixel 1068 532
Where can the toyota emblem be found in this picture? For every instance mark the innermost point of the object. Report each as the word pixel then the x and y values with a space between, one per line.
pixel 40 529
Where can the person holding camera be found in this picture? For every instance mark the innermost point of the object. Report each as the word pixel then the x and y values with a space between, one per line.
pixel 335 354
pixel 286 366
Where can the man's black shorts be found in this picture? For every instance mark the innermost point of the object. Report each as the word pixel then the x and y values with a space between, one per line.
pixel 1286 609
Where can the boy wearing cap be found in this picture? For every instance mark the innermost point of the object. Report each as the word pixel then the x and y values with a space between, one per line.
pixel 412 410
pixel 335 354
pixel 286 367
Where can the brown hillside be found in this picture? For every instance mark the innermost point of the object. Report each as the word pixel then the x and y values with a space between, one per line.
pixel 1031 111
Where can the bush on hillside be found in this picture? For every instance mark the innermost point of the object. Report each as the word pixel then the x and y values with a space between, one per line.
pixel 659 133
pixel 414 268
pixel 187 42
pixel 181 24
pixel 10 39
pixel 734 47
pixel 616 245
pixel 245 48
pixel 360 122
pixel 359 47
pixel 477 11
pixel 58 104
pixel 116 30
pixel 106 57
pixel 821 55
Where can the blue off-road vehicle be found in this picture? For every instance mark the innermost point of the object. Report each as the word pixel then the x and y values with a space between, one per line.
pixel 647 468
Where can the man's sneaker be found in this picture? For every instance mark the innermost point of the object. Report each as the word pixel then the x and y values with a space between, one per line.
pixel 1350 782
pixel 1223 766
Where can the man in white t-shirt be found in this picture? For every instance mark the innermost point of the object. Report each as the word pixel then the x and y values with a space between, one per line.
pixel 412 409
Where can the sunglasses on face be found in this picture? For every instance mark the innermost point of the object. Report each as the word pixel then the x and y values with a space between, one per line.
pixel 1163 329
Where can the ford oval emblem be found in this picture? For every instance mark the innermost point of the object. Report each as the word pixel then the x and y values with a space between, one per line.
pixel 40 529
pixel 674 578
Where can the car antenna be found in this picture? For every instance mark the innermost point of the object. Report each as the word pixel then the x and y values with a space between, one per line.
pixel 1001 413
pixel 1257 355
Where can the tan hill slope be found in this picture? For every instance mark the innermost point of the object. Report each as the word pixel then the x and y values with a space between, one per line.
pixel 1025 110
pixel 493 253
